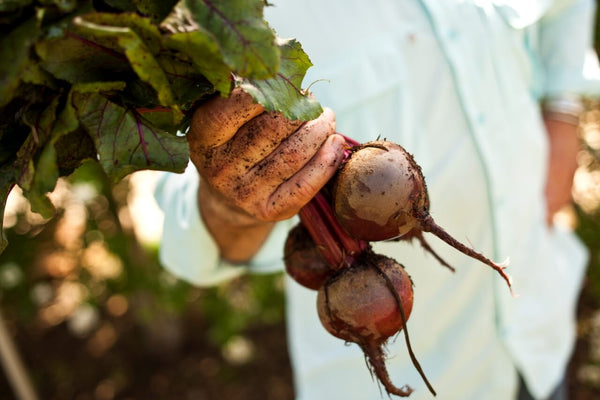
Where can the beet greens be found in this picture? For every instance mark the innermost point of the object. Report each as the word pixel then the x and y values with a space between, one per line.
pixel 115 81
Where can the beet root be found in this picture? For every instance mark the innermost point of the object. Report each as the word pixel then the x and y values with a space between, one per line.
pixel 366 304
pixel 378 191
pixel 380 194
pixel 303 259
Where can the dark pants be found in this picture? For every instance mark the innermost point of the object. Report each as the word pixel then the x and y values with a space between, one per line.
pixel 560 393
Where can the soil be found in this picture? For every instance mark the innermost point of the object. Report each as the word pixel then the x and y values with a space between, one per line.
pixel 138 366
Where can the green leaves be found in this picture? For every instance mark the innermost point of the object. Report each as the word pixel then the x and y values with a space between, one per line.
pixel 284 92
pixel 117 81
pixel 205 55
pixel 14 51
pixel 125 139
pixel 246 42
pixel 138 52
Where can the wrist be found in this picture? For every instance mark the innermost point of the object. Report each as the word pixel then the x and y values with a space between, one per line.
pixel 237 234
pixel 214 206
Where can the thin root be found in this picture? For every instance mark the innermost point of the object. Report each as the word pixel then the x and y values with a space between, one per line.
pixel 428 248
pixel 413 358
pixel 375 357
pixel 429 225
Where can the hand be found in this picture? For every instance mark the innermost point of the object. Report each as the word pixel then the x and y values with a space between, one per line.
pixel 257 167
pixel 564 146
pixel 261 162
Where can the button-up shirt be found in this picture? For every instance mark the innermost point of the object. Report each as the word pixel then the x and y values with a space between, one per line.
pixel 459 85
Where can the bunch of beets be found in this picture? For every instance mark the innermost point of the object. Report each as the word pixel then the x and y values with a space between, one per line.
pixel 379 193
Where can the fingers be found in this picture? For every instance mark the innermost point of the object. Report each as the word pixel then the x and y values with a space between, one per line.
pixel 252 143
pixel 294 152
pixel 297 191
pixel 217 120
pixel 270 166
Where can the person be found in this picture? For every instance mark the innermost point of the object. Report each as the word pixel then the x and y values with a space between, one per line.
pixel 485 94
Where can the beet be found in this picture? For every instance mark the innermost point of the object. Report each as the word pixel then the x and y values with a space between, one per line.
pixel 380 194
pixel 366 304
pixel 378 191
pixel 304 262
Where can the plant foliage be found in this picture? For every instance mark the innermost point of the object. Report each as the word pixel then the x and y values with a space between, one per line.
pixel 116 81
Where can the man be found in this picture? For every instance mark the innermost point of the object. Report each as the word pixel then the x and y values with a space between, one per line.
pixel 485 94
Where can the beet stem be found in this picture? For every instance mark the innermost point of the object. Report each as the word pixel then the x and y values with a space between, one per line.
pixel 351 245
pixel 313 221
pixel 349 141
pixel 413 358
pixel 429 225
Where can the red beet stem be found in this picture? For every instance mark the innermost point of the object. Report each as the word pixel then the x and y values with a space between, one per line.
pixel 314 223
pixel 351 142
pixel 351 245
pixel 317 216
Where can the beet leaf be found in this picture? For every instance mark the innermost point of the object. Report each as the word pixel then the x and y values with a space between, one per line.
pixel 116 81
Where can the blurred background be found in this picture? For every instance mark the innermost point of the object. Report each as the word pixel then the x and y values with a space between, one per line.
pixel 93 315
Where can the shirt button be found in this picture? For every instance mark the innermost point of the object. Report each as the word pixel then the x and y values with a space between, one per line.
pixel 452 34
pixel 480 118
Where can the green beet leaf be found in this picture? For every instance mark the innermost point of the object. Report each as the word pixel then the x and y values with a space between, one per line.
pixel 143 27
pixel 245 39
pixel 157 10
pixel 188 84
pixel 38 176
pixel 44 180
pixel 203 50
pixel 124 139
pixel 14 53
pixel 139 56
pixel 284 92
pixel 74 58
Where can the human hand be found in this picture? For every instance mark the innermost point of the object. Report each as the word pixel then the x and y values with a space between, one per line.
pixel 260 162
pixel 564 145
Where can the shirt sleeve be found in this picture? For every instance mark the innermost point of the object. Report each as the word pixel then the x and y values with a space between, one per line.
pixel 567 57
pixel 187 249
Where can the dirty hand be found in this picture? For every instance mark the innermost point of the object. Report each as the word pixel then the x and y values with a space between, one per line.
pixel 258 162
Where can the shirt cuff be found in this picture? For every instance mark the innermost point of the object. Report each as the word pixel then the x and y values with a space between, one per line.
pixel 566 108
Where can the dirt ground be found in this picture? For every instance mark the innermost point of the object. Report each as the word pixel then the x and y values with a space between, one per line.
pixel 138 366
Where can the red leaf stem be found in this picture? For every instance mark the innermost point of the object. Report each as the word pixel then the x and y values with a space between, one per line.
pixel 316 226
pixel 351 142
pixel 350 245
pixel 338 248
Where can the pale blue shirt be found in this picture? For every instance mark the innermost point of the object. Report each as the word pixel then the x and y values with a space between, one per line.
pixel 458 84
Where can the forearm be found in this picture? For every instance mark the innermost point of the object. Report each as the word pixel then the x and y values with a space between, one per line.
pixel 238 235
pixel 564 145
